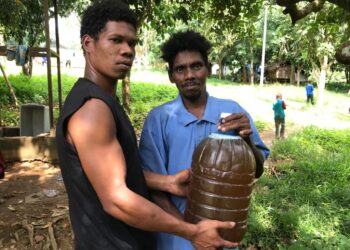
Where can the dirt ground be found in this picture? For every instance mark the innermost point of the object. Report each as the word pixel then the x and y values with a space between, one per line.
pixel 33 206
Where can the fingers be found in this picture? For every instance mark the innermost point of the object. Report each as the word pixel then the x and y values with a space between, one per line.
pixel 239 122
pixel 225 224
pixel 184 176
pixel 180 182
pixel 245 133
pixel 228 244
pixel 231 117
pixel 208 236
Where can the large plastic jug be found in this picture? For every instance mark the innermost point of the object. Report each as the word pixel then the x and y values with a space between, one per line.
pixel 222 177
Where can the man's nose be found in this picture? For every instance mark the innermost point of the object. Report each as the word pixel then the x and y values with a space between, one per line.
pixel 127 50
pixel 189 73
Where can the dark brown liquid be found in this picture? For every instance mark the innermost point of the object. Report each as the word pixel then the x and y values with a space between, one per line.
pixel 222 177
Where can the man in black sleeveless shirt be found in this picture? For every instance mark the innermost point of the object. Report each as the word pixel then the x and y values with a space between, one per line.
pixel 107 192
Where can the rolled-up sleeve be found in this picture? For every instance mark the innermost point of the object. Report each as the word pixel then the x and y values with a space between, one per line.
pixel 257 140
pixel 152 148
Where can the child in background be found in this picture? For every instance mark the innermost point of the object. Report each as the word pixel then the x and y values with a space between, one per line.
pixel 310 93
pixel 278 108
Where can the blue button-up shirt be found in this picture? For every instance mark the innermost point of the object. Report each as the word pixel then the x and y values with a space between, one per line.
pixel 170 136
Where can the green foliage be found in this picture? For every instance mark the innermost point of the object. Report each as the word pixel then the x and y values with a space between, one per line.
pixel 217 82
pixel 33 89
pixel 338 87
pixel 261 125
pixel 23 21
pixel 144 97
pixel 307 207
pixel 30 90
pixel 9 116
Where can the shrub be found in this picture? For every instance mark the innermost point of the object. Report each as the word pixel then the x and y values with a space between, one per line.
pixel 307 207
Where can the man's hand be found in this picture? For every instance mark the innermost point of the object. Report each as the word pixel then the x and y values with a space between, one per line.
pixel 207 236
pixel 176 184
pixel 179 183
pixel 239 122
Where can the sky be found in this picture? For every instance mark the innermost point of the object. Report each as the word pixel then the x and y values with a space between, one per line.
pixel 68 31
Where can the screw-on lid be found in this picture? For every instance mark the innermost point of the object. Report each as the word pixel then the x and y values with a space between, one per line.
pixel 224 136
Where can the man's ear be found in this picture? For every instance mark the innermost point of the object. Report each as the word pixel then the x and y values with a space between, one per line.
pixel 209 69
pixel 170 74
pixel 87 42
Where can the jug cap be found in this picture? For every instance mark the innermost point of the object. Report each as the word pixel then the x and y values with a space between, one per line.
pixel 224 136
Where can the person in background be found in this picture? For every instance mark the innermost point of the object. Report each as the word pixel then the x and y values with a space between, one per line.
pixel 309 93
pixel 108 197
pixel 172 130
pixel 279 116
pixel 68 63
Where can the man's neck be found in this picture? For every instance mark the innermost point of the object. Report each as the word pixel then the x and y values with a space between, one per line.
pixel 196 107
pixel 106 84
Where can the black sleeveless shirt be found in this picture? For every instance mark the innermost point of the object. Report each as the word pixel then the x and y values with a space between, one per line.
pixel 93 227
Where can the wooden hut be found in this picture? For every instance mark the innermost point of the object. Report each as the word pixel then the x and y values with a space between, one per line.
pixel 278 72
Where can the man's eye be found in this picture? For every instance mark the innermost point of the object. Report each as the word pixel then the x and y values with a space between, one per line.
pixel 116 40
pixel 132 44
pixel 179 69
pixel 197 67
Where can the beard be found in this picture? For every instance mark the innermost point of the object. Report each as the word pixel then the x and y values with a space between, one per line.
pixel 192 90
pixel 193 95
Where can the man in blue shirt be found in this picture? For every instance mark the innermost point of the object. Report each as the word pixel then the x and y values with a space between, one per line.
pixel 173 130
pixel 309 93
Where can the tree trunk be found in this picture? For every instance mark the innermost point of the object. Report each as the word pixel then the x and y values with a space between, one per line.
pixel 292 74
pixel 298 76
pixel 322 80
pixel 30 66
pixel 126 92
pixel 251 66
pixel 315 72
pixel 9 86
pixel 347 74
pixel 221 72
pixel 221 68
pixel 244 77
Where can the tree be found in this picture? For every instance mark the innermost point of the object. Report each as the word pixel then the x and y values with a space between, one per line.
pixel 23 22
pixel 298 11
pixel 228 23
pixel 319 35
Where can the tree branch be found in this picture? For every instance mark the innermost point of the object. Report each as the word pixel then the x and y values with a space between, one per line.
pixel 296 13
pixel 343 53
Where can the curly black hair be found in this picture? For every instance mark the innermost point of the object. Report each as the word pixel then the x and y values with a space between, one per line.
pixel 185 41
pixel 96 16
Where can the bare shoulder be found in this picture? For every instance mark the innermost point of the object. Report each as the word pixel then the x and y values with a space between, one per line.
pixel 93 120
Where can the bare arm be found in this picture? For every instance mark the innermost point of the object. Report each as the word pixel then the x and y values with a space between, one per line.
pixel 163 201
pixel 258 157
pixel 92 131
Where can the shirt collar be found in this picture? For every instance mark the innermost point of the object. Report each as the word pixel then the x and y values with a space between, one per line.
pixel 211 113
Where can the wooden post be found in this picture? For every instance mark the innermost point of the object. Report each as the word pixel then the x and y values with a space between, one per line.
pixel 48 55
pixel 9 86
pixel 59 89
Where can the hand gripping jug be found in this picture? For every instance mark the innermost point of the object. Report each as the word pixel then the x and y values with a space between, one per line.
pixel 222 177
